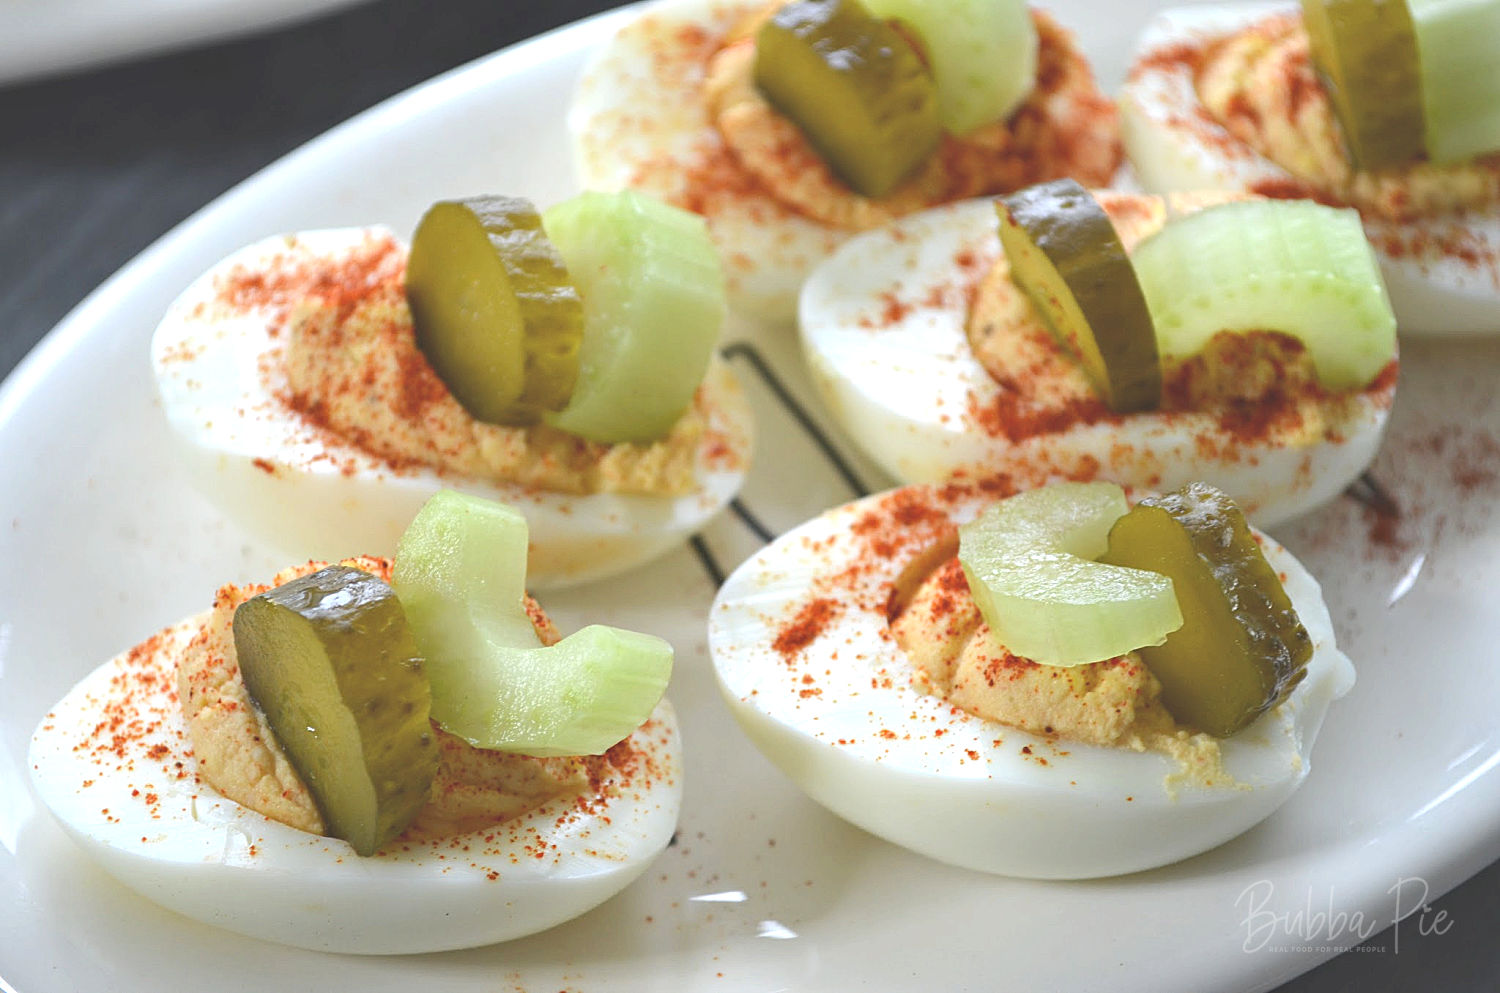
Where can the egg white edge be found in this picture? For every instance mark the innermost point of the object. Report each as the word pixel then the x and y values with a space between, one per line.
pixel 289 484
pixel 1431 294
pixel 904 388
pixel 191 851
pixel 831 743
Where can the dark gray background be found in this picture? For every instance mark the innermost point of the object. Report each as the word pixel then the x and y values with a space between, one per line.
pixel 96 166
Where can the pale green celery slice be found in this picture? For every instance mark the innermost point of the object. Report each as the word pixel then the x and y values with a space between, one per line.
pixel 1291 266
pixel 580 696
pixel 460 573
pixel 653 302
pixel 1458 48
pixel 983 54
pixel 1029 561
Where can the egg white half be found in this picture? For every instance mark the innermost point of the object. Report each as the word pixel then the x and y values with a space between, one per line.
pixel 1173 145
pixel 841 719
pixel 315 497
pixel 113 763
pixel 883 329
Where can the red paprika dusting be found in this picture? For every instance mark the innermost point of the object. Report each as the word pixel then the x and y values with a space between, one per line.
pixel 1183 62
pixel 1301 81
pixel 893 310
pixel 693 37
pixel 714 181
pixel 1385 380
pixel 1441 240
pixel 1291 188
pixel 1476 466
pixel 1241 107
pixel 953 590
pixel 907 511
pixel 419 385
pixel 1384 527
pixel 378 262
pixel 1179 55
pixel 718 451
pixel 810 622
pixel 1002 665
pixel 1013 416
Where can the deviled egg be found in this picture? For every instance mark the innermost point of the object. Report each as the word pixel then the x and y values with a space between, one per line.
pixel 207 773
pixel 942 368
pixel 749 114
pixel 1231 97
pixel 851 652
pixel 311 409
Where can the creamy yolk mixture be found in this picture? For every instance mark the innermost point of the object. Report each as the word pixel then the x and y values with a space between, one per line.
pixel 1114 703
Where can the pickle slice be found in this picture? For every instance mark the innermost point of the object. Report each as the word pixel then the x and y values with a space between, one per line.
pixel 983 54
pixel 1028 561
pixel 1065 254
pixel 1457 44
pixel 1241 647
pixel 856 88
pixel 653 303
pixel 1366 55
pixel 494 310
pixel 1291 266
pixel 331 662
pixel 460 571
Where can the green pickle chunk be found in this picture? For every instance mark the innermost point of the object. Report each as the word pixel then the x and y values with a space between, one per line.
pixel 460 571
pixel 1065 254
pixel 1029 562
pixel 1457 44
pixel 493 308
pixel 1241 648
pixel 331 662
pixel 856 88
pixel 1365 53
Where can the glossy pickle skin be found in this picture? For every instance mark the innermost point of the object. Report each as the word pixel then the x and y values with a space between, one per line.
pixel 857 89
pixel 493 308
pixel 1065 254
pixel 1365 54
pixel 331 662
pixel 1241 648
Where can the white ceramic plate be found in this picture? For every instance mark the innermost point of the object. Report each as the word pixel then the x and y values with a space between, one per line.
pixel 102 540
pixel 42 37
